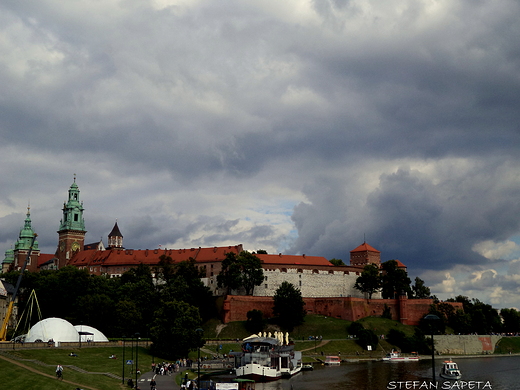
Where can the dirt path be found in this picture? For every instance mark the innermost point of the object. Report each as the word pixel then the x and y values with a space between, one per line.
pixel 321 344
pixel 47 375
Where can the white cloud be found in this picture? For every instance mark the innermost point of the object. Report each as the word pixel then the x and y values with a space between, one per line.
pixel 495 250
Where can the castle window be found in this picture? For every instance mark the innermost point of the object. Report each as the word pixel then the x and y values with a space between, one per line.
pixel 300 283
pixel 75 217
pixel 266 286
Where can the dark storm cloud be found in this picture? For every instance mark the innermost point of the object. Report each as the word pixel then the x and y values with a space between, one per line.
pixel 425 224
pixel 204 123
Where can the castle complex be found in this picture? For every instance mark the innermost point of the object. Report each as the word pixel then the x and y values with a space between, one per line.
pixel 315 276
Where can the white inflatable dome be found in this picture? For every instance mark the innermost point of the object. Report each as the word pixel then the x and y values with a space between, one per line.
pixel 95 336
pixel 56 329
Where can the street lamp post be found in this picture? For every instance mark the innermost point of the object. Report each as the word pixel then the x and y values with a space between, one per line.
pixel 136 357
pixel 123 380
pixel 431 318
pixel 199 332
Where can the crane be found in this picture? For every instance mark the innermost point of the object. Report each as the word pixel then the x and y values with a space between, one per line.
pixel 3 330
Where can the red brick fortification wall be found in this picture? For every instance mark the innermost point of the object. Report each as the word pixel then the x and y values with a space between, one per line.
pixel 410 311
pixel 235 307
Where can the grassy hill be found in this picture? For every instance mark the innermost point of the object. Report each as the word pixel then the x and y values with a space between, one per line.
pixel 93 361
pixel 332 330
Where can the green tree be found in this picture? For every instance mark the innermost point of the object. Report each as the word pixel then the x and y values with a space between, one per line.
pixel 184 284
pixel 288 306
pixel 242 271
pixel 355 328
pixel 128 318
pixel 369 282
pixel 337 262
pixel 420 291
pixel 483 318
pixel 395 280
pixel 230 275
pixel 174 330
pixel 367 337
pixel 252 272
pixel 511 320
pixel 261 252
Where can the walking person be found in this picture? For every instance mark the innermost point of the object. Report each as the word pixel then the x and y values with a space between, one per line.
pixel 59 372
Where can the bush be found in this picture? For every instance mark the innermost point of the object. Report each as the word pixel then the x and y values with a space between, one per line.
pixel 355 329
pixel 367 337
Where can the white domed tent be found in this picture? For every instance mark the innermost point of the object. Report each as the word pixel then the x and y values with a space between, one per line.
pixel 56 329
pixel 95 336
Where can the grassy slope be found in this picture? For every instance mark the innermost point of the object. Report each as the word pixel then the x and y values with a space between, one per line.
pixel 328 328
pixel 93 359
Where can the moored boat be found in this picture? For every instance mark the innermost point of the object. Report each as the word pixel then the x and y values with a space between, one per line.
pixel 450 370
pixel 267 358
pixel 332 360
pixel 395 356
pixel 307 367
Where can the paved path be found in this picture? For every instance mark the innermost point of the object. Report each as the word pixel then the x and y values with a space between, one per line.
pixel 164 382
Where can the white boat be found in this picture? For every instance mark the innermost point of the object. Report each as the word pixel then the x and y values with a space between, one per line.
pixel 450 370
pixel 395 356
pixel 266 359
pixel 332 360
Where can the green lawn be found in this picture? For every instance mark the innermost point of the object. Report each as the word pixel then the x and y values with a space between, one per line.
pixel 90 359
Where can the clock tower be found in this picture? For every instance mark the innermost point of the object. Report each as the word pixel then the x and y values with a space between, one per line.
pixel 72 227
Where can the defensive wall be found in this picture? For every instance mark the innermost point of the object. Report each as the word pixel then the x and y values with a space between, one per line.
pixel 465 344
pixel 407 311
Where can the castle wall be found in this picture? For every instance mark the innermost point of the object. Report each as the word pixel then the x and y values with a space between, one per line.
pixel 346 308
pixel 312 282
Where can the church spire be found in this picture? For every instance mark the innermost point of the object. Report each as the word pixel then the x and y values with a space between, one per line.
pixel 73 211
pixel 26 234
pixel 115 238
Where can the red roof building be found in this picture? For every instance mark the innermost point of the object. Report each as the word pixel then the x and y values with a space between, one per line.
pixel 365 254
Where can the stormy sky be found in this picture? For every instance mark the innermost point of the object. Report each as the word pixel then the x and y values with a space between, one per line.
pixel 302 127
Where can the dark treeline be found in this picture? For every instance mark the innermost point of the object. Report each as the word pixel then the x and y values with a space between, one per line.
pixel 169 311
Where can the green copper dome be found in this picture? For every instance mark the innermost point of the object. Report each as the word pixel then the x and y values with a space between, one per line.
pixel 26 235
pixel 9 256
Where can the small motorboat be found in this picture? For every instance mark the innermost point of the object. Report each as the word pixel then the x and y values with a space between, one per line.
pixel 450 370
pixel 307 367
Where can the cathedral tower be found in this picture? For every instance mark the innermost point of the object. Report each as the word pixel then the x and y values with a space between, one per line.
pixel 72 227
pixel 115 238
pixel 22 246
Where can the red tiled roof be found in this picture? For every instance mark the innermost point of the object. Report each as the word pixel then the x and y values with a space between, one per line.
pixel 294 259
pixel 399 264
pixel 44 257
pixel 114 257
pixel 364 248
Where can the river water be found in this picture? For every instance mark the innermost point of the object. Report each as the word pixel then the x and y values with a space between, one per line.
pixel 496 373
